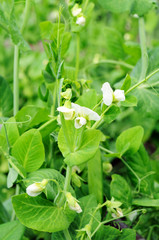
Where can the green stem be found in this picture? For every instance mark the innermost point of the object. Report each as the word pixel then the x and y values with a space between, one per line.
pixel 68 178
pixel 16 62
pixel 77 55
pixel 105 150
pixel 101 119
pixel 67 234
pixel 142 81
pixel 16 80
pixel 97 105
pixel 110 61
pixel 17 190
pixel 144 55
pixel 26 15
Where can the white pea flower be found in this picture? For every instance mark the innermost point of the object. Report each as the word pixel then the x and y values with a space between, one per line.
pixel 83 115
pixel 72 203
pixel 67 111
pixel 76 10
pixel 81 21
pixel 109 96
pixel 36 189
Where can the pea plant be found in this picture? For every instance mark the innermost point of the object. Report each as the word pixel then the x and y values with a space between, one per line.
pixel 78 153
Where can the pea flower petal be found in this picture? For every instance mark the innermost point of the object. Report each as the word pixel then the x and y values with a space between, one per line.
pixel 79 122
pixel 85 112
pixel 72 203
pixel 119 95
pixel 76 10
pixel 107 94
pixel 81 21
pixel 36 189
pixel 67 112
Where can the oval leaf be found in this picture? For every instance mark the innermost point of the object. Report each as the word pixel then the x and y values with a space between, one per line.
pixel 29 150
pixel 129 141
pixel 40 214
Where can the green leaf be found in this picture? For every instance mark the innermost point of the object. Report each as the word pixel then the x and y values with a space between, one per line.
pixel 88 99
pixel 57 236
pixel 29 150
pixel 65 43
pixel 3 144
pixel 130 101
pixel 48 127
pixel 12 131
pixel 121 191
pixel 128 234
pixel 16 35
pixel 4 216
pixel 116 6
pixel 131 138
pixel 51 188
pixel 40 214
pixel 11 230
pixel 127 83
pixel 114 43
pixel 95 176
pixel 12 177
pixel 81 153
pixel 141 7
pixel 140 163
pixel 146 202
pixel 31 116
pixel 108 233
pixel 17 166
pixel 112 114
pixel 88 205
pixel 6 99
pixel 43 92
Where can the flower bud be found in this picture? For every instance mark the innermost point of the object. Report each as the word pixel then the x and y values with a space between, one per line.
pixel 36 189
pixel 119 95
pixel 107 167
pixel 72 203
pixel 76 179
pixel 67 94
pixel 76 10
pixel 67 111
pixel 81 21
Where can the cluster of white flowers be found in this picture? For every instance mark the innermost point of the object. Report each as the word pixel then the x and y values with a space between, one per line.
pixel 113 208
pixel 81 114
pixel 77 12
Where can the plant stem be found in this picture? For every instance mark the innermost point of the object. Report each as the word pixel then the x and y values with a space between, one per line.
pixel 110 61
pixel 68 178
pixel 16 62
pixel 102 115
pixel 77 54
pixel 144 55
pixel 105 150
pixel 16 80
pixel 26 15
pixel 67 235
pixel 97 105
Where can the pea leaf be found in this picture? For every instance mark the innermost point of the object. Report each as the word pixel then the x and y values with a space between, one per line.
pixel 4 216
pixel 127 83
pixel 116 6
pixel 140 163
pixel 12 230
pixel 31 116
pixel 130 101
pixel 88 99
pixel 40 214
pixel 29 150
pixel 107 232
pixel 141 7
pixel 12 131
pixel 120 190
pixel 129 141
pixel 80 153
